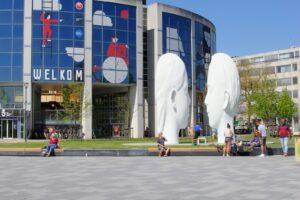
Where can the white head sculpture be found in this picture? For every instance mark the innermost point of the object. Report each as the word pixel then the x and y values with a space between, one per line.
pixel 223 92
pixel 171 97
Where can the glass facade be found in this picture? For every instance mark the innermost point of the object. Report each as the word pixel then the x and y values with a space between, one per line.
pixel 11 97
pixel 11 40
pixel 205 47
pixel 177 38
pixel 58 40
pixel 114 43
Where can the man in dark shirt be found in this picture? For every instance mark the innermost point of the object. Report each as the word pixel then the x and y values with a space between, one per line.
pixel 163 150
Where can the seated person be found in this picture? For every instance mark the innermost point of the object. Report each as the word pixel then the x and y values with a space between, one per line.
pixel 254 142
pixel 163 150
pixel 53 143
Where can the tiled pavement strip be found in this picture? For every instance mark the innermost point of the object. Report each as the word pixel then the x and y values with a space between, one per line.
pixel 94 178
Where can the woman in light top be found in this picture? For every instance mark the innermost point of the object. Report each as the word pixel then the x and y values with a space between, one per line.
pixel 228 134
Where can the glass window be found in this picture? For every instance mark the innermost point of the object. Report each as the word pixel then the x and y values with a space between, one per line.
pixel 109 9
pixel 66 33
pixel 286 55
pixel 67 18
pixel 17 73
pixel 295 94
pixel 37 32
pixel 67 5
pixel 17 59
pixel 5 59
pixel 18 17
pixel 18 45
pixel 5 17
pixel 5 31
pixel 113 42
pixel 122 24
pixel 271 58
pixel 108 34
pixel 257 60
pixel 176 38
pixel 79 19
pixel 5 74
pixel 51 60
pixel 283 68
pixel 18 31
pixel 65 44
pixel 295 80
pixel 6 5
pixel 296 54
pixel 97 35
pixel 6 45
pixel 284 82
pixel 37 61
pixel 295 68
pixel 65 61
pixel 19 4
pixel 97 48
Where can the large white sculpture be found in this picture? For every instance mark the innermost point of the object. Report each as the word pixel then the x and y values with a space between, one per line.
pixel 171 97
pixel 223 92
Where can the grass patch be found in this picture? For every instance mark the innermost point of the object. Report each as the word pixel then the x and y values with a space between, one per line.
pixel 120 143
pixel 115 143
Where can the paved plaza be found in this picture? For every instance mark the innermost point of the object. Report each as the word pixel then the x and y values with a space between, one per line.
pixel 94 178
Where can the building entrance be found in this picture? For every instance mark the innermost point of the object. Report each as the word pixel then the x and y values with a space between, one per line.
pixel 111 115
pixel 9 129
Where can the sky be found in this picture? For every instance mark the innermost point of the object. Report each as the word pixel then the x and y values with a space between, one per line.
pixel 247 27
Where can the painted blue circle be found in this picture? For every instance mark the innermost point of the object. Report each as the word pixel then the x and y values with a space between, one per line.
pixel 79 33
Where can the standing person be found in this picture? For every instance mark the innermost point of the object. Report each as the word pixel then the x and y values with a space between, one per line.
pixel 284 132
pixel 162 148
pixel 228 134
pixel 261 128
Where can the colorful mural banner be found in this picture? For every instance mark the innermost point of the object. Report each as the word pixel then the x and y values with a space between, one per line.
pixel 58 40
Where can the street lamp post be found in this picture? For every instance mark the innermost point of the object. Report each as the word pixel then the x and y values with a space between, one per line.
pixel 25 111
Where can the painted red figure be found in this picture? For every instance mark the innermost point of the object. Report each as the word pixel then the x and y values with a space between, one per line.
pixel 117 50
pixel 47 30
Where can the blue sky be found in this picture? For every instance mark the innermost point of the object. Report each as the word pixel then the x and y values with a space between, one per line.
pixel 248 26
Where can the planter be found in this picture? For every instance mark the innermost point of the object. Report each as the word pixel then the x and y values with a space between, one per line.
pixel 297 147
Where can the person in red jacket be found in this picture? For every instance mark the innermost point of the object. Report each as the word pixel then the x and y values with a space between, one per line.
pixel 284 133
pixel 47 30
pixel 53 143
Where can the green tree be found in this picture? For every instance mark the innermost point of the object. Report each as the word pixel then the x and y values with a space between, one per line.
pixel 286 108
pixel 265 98
pixel 72 102
pixel 248 82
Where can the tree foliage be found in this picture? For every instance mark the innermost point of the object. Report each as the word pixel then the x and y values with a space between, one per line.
pixel 286 108
pixel 248 86
pixel 72 101
pixel 265 97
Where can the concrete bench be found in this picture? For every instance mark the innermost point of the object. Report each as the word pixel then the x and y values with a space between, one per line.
pixel 173 150
pixel 33 150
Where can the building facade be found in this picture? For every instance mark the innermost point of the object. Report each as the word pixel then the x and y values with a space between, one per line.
pixel 283 66
pixel 193 39
pixel 103 46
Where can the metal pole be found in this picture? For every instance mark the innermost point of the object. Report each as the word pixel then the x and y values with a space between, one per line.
pixel 25 112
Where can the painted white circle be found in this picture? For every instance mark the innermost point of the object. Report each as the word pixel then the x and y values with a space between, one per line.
pixel 115 70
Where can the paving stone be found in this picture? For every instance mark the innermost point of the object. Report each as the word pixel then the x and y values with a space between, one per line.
pixel 131 178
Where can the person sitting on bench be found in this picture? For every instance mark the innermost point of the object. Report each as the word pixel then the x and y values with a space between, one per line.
pixel 163 150
pixel 53 143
